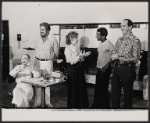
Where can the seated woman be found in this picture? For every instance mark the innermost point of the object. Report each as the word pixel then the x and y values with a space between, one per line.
pixel 23 93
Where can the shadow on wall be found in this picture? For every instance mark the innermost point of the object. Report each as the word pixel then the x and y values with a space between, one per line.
pixel 142 45
pixel 84 42
pixel 11 56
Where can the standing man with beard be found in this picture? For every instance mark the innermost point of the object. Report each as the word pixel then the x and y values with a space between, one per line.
pixel 101 94
pixel 127 52
pixel 46 50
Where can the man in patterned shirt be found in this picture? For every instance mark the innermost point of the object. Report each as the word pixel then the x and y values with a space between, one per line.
pixel 127 54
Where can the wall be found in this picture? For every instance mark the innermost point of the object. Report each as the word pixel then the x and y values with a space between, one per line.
pixel 87 37
pixel 77 12
pixel 25 17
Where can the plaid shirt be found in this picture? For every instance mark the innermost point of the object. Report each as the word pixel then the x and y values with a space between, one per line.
pixel 128 48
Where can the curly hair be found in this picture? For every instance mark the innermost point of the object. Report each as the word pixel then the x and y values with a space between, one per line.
pixel 46 25
pixel 28 56
pixel 70 36
pixel 103 31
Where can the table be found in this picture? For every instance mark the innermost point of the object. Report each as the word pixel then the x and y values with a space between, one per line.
pixel 40 82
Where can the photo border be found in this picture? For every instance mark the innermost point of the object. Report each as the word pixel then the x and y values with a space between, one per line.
pixel 62 1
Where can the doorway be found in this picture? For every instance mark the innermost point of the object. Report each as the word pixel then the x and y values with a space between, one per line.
pixel 5 49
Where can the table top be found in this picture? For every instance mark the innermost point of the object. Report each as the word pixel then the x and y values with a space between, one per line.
pixel 43 83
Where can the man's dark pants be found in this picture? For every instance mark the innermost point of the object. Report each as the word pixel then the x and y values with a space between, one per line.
pixel 123 76
pixel 101 94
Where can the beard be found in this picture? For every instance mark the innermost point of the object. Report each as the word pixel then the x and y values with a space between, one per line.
pixel 43 35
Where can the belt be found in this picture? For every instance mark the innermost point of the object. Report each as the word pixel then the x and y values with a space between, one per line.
pixel 68 64
pixel 119 64
pixel 43 59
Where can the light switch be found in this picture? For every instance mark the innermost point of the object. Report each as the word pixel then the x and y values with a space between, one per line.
pixel 18 37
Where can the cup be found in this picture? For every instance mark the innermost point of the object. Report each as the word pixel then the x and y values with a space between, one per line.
pixel 47 76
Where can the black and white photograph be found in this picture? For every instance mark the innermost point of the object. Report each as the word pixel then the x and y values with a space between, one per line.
pixel 74 61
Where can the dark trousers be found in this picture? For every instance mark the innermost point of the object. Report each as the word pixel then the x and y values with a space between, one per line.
pixel 77 90
pixel 123 76
pixel 101 94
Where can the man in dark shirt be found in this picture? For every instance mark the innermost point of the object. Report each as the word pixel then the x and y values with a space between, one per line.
pixel 127 54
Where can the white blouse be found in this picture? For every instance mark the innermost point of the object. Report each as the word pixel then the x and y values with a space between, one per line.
pixel 20 73
pixel 72 54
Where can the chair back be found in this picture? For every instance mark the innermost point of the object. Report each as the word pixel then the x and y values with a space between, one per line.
pixel 10 79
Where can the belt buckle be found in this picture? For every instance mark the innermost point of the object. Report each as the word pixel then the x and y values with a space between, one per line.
pixel 119 64
pixel 129 65
pixel 115 64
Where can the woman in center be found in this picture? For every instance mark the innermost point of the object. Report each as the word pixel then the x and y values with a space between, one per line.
pixel 77 90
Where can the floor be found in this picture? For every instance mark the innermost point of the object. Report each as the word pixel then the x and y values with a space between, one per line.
pixel 59 97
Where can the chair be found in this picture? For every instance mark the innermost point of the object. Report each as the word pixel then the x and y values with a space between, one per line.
pixel 10 80
pixel 145 90
pixel 16 62
pixel 11 84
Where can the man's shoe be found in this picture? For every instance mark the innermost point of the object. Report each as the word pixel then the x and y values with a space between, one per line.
pixel 49 106
pixel 36 106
